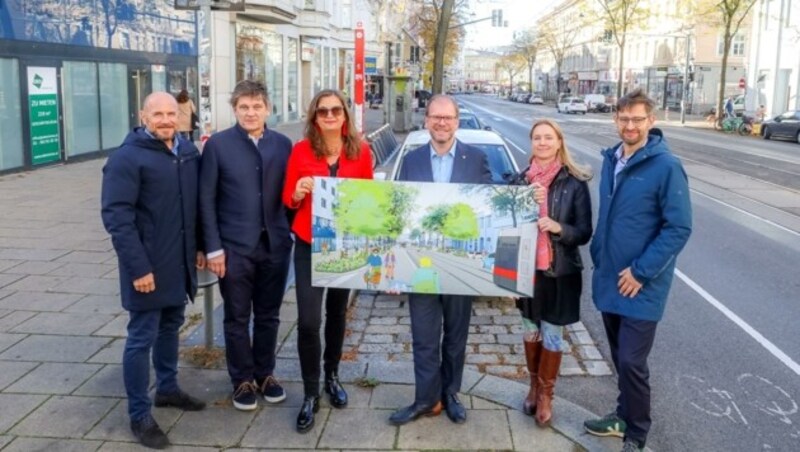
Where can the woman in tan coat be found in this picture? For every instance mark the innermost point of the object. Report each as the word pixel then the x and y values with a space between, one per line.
pixel 185 109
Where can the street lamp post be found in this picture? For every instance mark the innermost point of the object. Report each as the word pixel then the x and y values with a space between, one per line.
pixel 685 79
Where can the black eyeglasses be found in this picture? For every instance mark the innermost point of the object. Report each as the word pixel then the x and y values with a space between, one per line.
pixel 324 111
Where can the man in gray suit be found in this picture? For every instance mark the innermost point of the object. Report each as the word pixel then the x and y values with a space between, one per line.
pixel 438 380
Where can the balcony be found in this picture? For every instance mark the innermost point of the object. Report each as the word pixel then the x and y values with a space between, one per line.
pixel 272 11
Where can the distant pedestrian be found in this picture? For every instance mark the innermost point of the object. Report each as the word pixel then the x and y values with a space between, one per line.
pixel 149 206
pixel 729 113
pixel 644 221
pixel 389 261
pixel 186 114
pixel 565 223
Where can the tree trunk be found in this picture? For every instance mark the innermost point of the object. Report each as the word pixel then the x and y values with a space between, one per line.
pixel 723 71
pixel 440 45
pixel 620 75
pixel 530 77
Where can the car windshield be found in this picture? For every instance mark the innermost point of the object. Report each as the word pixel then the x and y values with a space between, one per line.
pixel 499 162
pixel 468 122
pixel 577 100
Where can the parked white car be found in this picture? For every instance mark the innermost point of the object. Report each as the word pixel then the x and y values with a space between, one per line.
pixel 572 105
pixel 536 99
pixel 501 160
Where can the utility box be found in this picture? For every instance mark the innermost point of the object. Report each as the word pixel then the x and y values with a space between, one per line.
pixel 398 103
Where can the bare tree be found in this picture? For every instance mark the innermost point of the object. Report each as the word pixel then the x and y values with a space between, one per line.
pixel 728 15
pixel 511 64
pixel 527 46
pixel 557 35
pixel 622 16
pixel 115 12
pixel 436 23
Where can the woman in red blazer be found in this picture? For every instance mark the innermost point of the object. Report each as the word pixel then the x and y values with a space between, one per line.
pixel 331 147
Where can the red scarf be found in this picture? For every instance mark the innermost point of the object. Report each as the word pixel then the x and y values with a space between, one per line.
pixel 544 175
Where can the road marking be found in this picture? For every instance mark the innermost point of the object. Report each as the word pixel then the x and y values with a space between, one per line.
pixel 516 147
pixel 783 357
pixel 752 215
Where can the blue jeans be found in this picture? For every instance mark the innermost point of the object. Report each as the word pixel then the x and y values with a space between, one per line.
pixel 156 329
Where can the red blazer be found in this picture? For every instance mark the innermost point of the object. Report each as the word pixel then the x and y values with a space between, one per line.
pixel 302 163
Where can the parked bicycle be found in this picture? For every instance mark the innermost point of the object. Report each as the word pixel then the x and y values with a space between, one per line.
pixel 742 125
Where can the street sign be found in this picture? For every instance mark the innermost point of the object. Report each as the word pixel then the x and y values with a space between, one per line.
pixel 742 83
pixel 43 107
pixel 370 65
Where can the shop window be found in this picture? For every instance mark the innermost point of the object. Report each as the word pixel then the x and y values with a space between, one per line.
pixel 291 84
pixel 81 115
pixel 11 150
pixel 113 103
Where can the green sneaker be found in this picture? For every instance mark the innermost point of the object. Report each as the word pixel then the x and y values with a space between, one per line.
pixel 608 425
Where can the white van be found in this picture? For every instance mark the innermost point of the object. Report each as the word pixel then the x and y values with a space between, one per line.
pixel 593 99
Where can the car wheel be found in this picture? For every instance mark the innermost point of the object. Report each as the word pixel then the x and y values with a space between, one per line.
pixel 767 133
pixel 798 137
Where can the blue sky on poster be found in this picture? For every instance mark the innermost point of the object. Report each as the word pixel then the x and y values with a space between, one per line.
pixel 520 14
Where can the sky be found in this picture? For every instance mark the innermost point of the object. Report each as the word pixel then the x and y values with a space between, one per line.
pixel 520 14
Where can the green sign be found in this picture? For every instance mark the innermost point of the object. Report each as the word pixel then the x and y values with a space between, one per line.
pixel 43 107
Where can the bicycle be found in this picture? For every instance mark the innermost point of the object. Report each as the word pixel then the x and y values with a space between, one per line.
pixel 734 124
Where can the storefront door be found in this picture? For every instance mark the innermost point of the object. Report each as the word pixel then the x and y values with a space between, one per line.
pixel 139 86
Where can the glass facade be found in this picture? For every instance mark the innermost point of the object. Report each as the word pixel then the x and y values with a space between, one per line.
pixel 113 103
pixel 81 112
pixel 274 52
pixel 291 85
pixel 159 77
pixel 11 150
pixel 317 69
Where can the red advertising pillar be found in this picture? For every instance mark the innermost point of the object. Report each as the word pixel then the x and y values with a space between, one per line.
pixel 358 79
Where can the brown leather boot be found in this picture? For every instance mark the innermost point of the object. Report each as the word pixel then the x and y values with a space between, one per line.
pixel 549 364
pixel 533 352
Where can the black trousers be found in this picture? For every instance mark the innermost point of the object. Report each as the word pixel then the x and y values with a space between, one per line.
pixel 630 341
pixel 309 320
pixel 253 284
pixel 439 330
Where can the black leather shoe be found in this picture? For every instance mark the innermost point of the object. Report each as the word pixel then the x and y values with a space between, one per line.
pixel 149 433
pixel 455 410
pixel 335 390
pixel 305 419
pixel 413 412
pixel 180 400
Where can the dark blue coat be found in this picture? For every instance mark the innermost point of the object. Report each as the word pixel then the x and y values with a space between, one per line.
pixel 240 191
pixel 644 221
pixel 149 206
pixel 471 166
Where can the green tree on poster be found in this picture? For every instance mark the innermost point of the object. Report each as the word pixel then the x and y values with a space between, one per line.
pixel 433 221
pixel 512 200
pixel 363 208
pixel 461 223
pixel 402 199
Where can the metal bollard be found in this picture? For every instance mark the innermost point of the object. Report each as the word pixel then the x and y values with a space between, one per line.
pixel 206 281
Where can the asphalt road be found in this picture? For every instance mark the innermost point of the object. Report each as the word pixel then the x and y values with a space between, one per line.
pixel 724 368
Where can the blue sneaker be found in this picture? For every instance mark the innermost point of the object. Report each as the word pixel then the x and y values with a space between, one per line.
pixel 244 397
pixel 271 390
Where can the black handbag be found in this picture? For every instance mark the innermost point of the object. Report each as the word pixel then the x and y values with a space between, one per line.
pixel 195 121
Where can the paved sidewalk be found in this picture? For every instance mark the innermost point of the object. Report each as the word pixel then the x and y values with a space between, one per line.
pixel 62 332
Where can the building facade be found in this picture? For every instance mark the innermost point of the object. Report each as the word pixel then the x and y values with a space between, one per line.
pixel 73 73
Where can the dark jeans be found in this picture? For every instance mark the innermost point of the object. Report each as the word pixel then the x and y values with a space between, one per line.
pixel 309 320
pixel 253 284
pixel 436 377
pixel 630 341
pixel 156 329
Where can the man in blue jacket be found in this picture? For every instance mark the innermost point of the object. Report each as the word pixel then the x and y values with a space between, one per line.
pixel 440 323
pixel 644 221
pixel 149 206
pixel 246 233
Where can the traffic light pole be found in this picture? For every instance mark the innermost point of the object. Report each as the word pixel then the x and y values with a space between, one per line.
pixel 685 80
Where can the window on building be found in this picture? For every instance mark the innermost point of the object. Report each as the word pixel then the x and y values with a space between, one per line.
pixel 322 182
pixel 274 75
pixel 324 204
pixel 113 103
pixel 737 45
pixel 81 112
pixel 291 74
pixel 11 150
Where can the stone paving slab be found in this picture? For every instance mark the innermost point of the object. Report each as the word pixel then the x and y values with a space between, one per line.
pixel 130 447
pixel 63 323
pixel 528 437
pixel 9 339
pixel 16 407
pixel 91 286
pixel 214 426
pixel 31 254
pixel 86 257
pixel 13 319
pixel 7 280
pixel 274 428
pixel 115 328
pixel 75 417
pixel 38 301
pixel 107 382
pixel 37 283
pixel 484 429
pixel 373 431
pixel 81 269
pixel 46 444
pixel 11 371
pixel 391 397
pixel 97 304
pixel 5 440
pixel 54 378
pixel 6 264
pixel 116 425
pixel 54 348
pixel 34 268
pixel 111 353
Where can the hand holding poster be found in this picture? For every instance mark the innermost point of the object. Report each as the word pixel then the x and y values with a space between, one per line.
pixel 457 239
